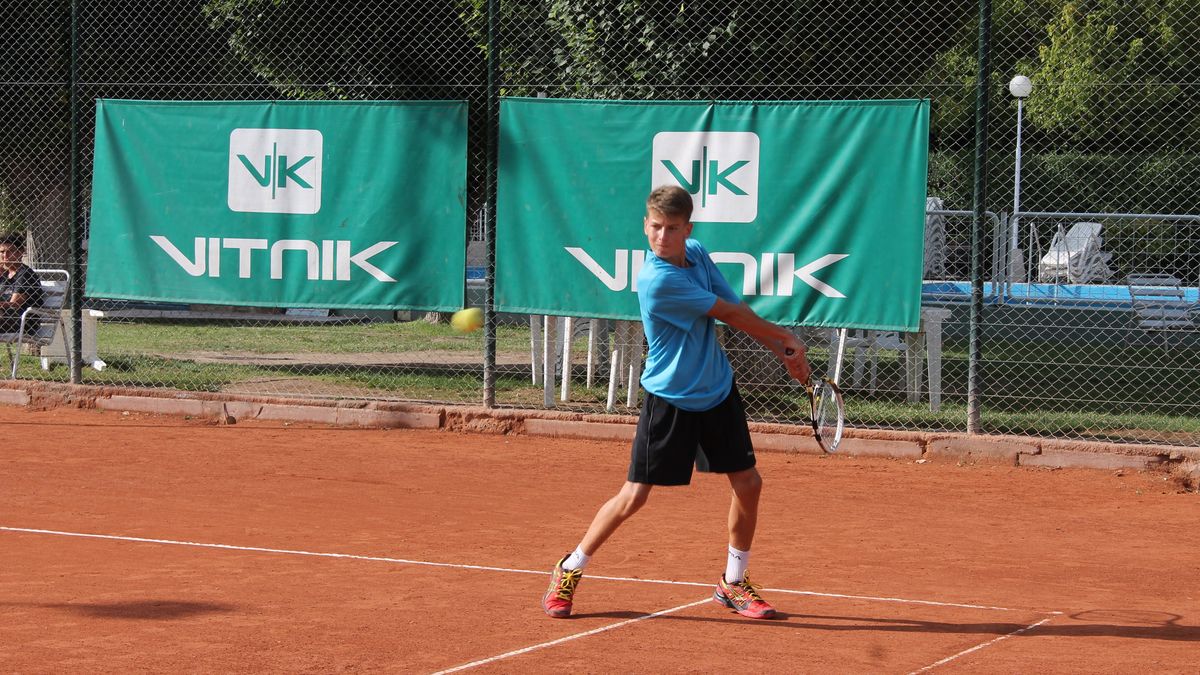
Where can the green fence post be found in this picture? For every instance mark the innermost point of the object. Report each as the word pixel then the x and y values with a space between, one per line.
pixel 75 292
pixel 983 77
pixel 489 205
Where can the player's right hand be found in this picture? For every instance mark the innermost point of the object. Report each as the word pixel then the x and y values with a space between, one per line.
pixel 795 359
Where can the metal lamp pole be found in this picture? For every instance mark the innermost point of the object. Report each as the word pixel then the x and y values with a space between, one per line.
pixel 1020 87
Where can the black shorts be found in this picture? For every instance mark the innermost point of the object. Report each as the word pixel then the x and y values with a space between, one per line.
pixel 670 440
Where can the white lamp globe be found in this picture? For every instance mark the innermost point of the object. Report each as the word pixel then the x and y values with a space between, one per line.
pixel 1020 86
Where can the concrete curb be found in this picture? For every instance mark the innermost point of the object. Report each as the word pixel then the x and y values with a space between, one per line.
pixel 14 397
pixel 1091 460
pixel 962 449
pixel 978 451
pixel 863 447
pixel 600 431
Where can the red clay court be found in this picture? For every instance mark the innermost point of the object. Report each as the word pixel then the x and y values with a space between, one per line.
pixel 142 543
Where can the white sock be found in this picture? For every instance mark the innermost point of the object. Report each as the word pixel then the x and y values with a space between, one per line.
pixel 735 567
pixel 577 560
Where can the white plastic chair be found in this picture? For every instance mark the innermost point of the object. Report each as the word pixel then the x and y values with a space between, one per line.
pixel 1076 256
pixel 935 239
pixel 867 346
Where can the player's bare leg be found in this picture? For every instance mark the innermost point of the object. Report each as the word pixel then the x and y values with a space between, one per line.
pixel 743 510
pixel 615 511
pixel 560 596
pixel 740 595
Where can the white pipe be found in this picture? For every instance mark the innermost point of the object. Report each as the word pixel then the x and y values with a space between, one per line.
pixel 841 352
pixel 614 367
pixel 565 387
pixel 593 327
pixel 535 348
pixel 549 341
pixel 1017 180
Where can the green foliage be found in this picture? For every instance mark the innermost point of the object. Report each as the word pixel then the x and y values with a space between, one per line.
pixel 1111 68
pixel 10 219
pixel 741 49
pixel 35 133
pixel 951 179
pixel 308 49
pixel 1109 75
pixel 1111 182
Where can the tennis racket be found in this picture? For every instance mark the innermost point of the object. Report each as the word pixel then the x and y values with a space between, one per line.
pixel 827 412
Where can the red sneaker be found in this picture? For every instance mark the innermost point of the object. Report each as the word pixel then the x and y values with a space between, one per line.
pixel 558 598
pixel 743 598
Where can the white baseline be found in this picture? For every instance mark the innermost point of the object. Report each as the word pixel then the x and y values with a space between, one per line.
pixel 487 568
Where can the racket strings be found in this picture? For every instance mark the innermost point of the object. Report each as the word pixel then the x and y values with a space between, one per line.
pixel 826 414
pixel 826 406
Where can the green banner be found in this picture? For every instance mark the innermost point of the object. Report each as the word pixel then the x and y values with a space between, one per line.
pixel 280 204
pixel 814 210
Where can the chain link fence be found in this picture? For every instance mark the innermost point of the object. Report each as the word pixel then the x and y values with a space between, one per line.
pixel 1087 330
pixel 1093 335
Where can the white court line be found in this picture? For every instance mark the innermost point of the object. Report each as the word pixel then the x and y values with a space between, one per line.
pixel 872 598
pixel 525 650
pixel 285 551
pixel 989 643
pixel 426 563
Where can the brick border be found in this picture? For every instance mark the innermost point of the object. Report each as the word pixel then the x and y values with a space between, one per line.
pixel 962 449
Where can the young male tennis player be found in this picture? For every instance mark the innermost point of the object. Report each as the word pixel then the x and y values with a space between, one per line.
pixel 692 413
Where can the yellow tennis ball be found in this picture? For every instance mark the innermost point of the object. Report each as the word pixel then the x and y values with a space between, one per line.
pixel 467 320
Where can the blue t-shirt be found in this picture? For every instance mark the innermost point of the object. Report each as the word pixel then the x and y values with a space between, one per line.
pixel 684 364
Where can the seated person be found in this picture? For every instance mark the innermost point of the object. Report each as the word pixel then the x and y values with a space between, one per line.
pixel 20 287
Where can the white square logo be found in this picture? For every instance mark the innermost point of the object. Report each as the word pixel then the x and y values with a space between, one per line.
pixel 275 170
pixel 718 168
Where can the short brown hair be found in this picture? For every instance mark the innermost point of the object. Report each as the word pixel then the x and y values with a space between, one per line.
pixel 14 240
pixel 670 200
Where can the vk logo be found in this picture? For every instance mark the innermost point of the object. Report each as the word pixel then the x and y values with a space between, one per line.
pixel 718 168
pixel 275 170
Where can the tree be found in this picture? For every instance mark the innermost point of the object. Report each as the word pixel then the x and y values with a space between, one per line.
pixel 34 139
pixel 739 49
pixel 123 52
pixel 1117 74
pixel 405 49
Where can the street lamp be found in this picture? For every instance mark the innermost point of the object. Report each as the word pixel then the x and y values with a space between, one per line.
pixel 1020 87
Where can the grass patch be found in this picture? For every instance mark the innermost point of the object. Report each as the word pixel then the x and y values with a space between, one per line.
pixel 167 337
pixel 150 372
